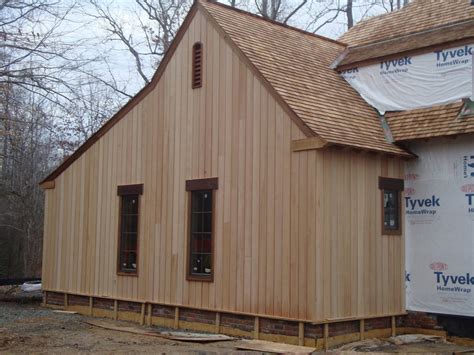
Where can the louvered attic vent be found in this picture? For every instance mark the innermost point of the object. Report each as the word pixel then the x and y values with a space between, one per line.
pixel 197 65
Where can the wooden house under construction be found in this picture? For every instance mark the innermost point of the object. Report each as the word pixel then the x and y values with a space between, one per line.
pixel 247 190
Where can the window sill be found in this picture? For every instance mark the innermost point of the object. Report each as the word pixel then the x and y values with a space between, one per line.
pixel 392 232
pixel 121 273
pixel 200 278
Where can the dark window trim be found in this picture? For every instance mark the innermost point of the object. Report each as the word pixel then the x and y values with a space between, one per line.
pixel 197 71
pixel 198 185
pixel 202 184
pixel 397 185
pixel 391 184
pixel 124 190
pixel 136 189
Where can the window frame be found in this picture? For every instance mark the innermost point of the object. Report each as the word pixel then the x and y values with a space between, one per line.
pixel 397 186
pixel 128 190
pixel 209 184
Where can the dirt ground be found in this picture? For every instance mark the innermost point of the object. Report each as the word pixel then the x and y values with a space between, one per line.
pixel 26 327
pixel 30 328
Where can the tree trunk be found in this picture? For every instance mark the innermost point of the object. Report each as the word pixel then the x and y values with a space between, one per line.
pixel 350 15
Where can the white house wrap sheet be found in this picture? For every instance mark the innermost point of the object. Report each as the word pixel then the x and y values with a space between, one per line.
pixel 409 82
pixel 439 227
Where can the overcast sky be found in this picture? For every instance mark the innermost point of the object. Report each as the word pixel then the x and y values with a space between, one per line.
pixel 121 62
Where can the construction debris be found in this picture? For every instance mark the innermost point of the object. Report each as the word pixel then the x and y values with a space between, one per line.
pixel 196 337
pixel 416 338
pixel 178 336
pixel 377 345
pixel 64 312
pixel 271 347
pixel 133 330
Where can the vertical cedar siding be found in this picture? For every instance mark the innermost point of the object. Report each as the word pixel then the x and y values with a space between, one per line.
pixel 296 235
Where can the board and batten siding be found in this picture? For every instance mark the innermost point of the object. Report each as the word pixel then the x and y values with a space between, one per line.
pixel 297 234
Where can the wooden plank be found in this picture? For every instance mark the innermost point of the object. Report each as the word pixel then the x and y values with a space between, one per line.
pixel 308 144
pixel 326 336
pixel 256 328
pixel 300 333
pixel 271 347
pixel 47 185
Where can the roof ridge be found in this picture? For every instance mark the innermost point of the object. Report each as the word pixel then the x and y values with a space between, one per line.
pixel 284 25
pixel 432 29
pixel 363 21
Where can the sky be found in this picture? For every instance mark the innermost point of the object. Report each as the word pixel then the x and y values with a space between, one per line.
pixel 113 59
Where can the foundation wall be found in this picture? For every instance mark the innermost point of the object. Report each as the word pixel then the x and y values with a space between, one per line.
pixel 321 335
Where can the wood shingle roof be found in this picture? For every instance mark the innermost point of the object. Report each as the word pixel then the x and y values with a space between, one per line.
pixel 417 16
pixel 429 122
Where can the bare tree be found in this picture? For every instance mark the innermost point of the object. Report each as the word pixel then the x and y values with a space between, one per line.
pixel 26 147
pixel 278 10
pixel 349 14
pixel 392 5
pixel 157 22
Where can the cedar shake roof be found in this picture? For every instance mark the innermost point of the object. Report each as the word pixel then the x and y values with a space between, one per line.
pixel 296 64
pixel 429 122
pixel 417 16
pixel 421 24
pixel 448 34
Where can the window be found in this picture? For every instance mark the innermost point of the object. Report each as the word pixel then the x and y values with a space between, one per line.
pixel 200 246
pixel 197 66
pixel 128 228
pixel 391 207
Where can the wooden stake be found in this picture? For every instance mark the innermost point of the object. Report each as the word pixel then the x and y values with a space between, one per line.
pixel 45 298
pixel 65 301
pixel 256 328
pixel 218 322
pixel 115 309
pixel 150 315
pixel 142 315
pixel 301 334
pixel 394 326
pixel 362 329
pixel 326 336
pixel 91 306
pixel 176 318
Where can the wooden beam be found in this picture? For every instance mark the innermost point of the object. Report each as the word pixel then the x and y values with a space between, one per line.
pixel 218 322
pixel 326 336
pixel 115 309
pixel 307 144
pixel 91 305
pixel 256 328
pixel 48 185
pixel 176 318
pixel 362 329
pixel 150 315
pixel 301 333
pixel 142 315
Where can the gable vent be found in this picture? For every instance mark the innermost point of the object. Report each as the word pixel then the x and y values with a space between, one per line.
pixel 197 65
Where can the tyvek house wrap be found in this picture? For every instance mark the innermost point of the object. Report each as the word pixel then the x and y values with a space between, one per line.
pixel 409 82
pixel 439 227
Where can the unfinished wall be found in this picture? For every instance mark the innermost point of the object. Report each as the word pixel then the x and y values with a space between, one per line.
pixel 297 235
